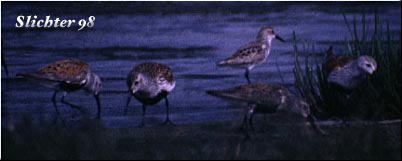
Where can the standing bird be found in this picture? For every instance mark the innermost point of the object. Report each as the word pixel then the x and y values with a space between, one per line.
pixel 347 72
pixel 266 98
pixel 253 53
pixel 67 75
pixel 149 83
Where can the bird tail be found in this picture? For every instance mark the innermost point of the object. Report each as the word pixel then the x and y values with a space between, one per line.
pixel 214 92
pixel 229 62
pixel 22 75
pixel 222 63
pixel 28 75
pixel 225 94
pixel 38 80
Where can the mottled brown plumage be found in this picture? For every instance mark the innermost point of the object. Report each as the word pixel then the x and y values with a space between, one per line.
pixel 333 62
pixel 336 62
pixel 70 70
pixel 252 53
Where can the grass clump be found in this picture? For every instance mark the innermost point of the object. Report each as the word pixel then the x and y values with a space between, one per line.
pixel 378 97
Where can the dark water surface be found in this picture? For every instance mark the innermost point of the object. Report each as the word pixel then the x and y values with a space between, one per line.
pixel 187 36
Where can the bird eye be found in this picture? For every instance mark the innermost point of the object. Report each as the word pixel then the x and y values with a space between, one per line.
pixel 136 83
pixel 368 65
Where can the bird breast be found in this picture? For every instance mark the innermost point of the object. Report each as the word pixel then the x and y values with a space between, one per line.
pixel 151 89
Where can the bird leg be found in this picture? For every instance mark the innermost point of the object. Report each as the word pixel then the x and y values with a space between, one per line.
pixel 246 75
pixel 247 121
pixel 243 126
pixel 251 122
pixel 68 103
pixel 244 122
pixel 54 102
pixel 99 106
pixel 251 115
pixel 316 128
pixel 167 121
pixel 144 108
pixel 265 119
pixel 127 103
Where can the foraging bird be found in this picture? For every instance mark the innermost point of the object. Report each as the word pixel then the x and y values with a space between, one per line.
pixel 67 75
pixel 149 83
pixel 266 98
pixel 347 72
pixel 254 53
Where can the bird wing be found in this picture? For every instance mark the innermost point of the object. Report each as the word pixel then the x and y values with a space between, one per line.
pixel 259 93
pixel 71 71
pixel 345 76
pixel 248 54
pixel 339 77
pixel 165 80
pixel 334 62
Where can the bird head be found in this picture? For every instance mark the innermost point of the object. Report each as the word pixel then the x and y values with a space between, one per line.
pixel 94 84
pixel 367 64
pixel 136 82
pixel 300 107
pixel 267 33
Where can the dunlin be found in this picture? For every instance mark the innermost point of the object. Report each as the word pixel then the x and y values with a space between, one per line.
pixel 347 72
pixel 67 75
pixel 266 98
pixel 252 54
pixel 149 83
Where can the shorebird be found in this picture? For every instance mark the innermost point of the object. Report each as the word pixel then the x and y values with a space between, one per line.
pixel 266 98
pixel 149 83
pixel 67 75
pixel 347 72
pixel 252 54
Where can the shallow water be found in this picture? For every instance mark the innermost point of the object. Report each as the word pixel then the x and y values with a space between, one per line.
pixel 188 36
